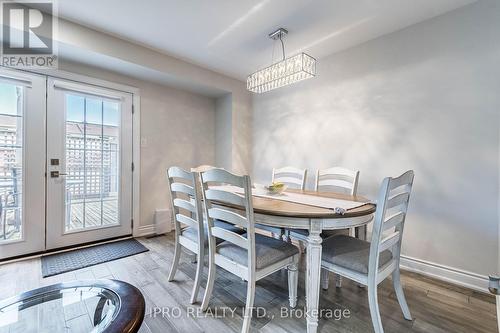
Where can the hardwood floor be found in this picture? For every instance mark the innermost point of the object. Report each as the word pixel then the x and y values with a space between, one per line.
pixel 435 306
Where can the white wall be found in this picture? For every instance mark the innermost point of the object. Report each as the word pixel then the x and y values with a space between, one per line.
pixel 425 98
pixel 179 128
pixel 242 124
pixel 223 131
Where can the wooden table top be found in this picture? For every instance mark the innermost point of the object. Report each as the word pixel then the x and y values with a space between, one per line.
pixel 277 207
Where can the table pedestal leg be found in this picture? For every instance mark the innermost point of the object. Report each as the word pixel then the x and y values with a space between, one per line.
pixel 361 233
pixel 313 275
pixel 498 311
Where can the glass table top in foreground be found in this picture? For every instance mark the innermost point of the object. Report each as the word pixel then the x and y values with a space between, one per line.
pixel 84 309
pixel 78 306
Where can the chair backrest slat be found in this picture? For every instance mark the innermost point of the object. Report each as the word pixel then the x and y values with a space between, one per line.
pixel 398 199
pixel 393 197
pixel 230 237
pixel 184 204
pixel 225 196
pixel 176 172
pixel 389 241
pixel 182 188
pixel 218 207
pixel 217 176
pixel 185 197
pixel 393 221
pixel 227 216
pixel 337 178
pixel 292 177
pixel 289 181
pixel 186 220
pixel 405 179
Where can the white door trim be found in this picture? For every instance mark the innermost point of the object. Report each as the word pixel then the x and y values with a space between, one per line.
pixel 56 234
pixel 79 78
pixel 136 159
pixel 136 132
pixel 33 165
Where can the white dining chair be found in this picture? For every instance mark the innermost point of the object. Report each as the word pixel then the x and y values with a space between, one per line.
pixel 187 210
pixel 371 263
pixel 250 256
pixel 292 177
pixel 185 195
pixel 336 179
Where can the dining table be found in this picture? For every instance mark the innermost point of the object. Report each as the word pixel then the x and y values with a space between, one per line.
pixel 298 209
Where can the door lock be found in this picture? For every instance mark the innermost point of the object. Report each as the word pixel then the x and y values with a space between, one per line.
pixel 57 174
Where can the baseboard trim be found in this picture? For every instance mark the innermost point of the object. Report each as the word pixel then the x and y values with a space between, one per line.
pixel 145 230
pixel 151 229
pixel 449 274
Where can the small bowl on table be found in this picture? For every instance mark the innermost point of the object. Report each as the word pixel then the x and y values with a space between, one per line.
pixel 276 188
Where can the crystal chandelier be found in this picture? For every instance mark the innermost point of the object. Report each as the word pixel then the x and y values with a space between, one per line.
pixel 287 71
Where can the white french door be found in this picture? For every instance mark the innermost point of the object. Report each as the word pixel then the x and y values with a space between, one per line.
pixel 65 163
pixel 22 163
pixel 89 163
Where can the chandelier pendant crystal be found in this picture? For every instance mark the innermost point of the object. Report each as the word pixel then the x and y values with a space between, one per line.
pixel 287 71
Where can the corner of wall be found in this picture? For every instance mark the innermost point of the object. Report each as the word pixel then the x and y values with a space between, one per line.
pixel 223 131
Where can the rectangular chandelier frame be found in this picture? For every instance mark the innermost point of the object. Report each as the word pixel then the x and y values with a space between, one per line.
pixel 291 70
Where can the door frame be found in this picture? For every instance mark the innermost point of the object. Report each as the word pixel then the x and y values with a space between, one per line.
pixel 56 206
pixel 136 131
pixel 33 172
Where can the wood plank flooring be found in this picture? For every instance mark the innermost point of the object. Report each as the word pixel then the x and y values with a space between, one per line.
pixel 436 306
pixel 92 217
pixel 93 214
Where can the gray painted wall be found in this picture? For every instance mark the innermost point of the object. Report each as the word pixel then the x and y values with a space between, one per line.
pixel 424 98
pixel 223 131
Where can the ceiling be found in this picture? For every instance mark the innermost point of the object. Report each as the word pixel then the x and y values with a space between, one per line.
pixel 230 36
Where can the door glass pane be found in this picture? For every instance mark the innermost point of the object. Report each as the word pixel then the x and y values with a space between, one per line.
pixel 11 162
pixel 92 155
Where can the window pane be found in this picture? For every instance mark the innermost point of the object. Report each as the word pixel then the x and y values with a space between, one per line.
pixel 75 106
pixel 11 162
pixel 111 114
pixel 9 99
pixel 92 150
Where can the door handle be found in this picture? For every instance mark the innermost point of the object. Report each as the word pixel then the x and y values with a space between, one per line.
pixel 57 174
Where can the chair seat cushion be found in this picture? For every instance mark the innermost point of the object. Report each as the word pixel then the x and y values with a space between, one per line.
pixel 192 233
pixel 351 253
pixel 267 251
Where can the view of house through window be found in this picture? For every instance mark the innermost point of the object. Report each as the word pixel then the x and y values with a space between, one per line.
pixel 92 162
pixel 11 158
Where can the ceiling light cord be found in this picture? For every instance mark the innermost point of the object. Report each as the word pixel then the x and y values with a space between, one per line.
pixel 272 56
pixel 282 47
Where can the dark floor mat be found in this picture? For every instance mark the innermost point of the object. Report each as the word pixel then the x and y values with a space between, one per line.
pixel 69 261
